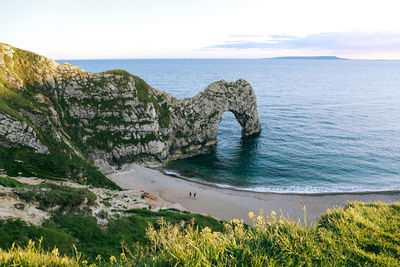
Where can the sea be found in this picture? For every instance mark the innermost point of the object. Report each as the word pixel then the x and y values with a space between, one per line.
pixel 327 125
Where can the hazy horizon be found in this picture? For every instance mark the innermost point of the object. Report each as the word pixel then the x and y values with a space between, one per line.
pixel 261 58
pixel 208 29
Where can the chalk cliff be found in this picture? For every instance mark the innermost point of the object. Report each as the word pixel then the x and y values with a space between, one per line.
pixel 56 110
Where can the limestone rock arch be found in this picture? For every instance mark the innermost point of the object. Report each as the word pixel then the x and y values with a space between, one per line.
pixel 196 120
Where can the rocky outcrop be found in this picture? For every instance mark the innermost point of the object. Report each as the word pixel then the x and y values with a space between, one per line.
pixel 17 133
pixel 112 117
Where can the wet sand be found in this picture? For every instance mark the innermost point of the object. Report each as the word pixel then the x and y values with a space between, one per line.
pixel 225 204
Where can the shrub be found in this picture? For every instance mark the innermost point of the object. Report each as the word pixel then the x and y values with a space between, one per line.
pixel 50 195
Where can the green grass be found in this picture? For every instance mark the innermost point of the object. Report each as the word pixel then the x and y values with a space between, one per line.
pixel 118 72
pixel 9 182
pixel 65 230
pixel 20 233
pixel 144 94
pixel 177 216
pixel 34 255
pixel 142 89
pixel 55 166
pixel 130 229
pixel 164 115
pixel 105 203
pixel 10 99
pixel 360 234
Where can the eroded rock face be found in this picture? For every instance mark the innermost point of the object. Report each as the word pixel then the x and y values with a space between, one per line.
pixel 17 133
pixel 116 117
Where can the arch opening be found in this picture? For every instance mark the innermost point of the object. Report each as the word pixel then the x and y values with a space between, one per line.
pixel 229 130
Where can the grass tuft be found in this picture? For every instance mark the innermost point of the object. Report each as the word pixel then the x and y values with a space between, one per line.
pixel 357 235
pixel 10 182
pixel 34 255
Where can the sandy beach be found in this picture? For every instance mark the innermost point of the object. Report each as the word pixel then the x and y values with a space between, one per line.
pixel 225 204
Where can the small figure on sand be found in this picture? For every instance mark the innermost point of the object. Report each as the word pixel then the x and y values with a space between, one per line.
pixel 194 195
pixel 190 194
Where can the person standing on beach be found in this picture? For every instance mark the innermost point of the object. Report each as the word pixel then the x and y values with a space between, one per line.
pixel 190 194
pixel 194 195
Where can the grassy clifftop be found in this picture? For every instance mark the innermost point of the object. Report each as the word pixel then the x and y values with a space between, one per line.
pixel 357 235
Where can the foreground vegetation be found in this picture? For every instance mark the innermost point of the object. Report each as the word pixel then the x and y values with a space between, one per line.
pixel 65 231
pixel 357 235
pixel 34 255
pixel 72 222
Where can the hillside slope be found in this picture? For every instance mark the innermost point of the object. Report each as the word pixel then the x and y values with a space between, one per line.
pixel 56 120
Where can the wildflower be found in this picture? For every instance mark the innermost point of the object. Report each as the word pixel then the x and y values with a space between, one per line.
pixel 236 221
pixel 251 214
pixel 64 261
pixel 273 213
pixel 55 252
pixel 98 257
pixel 123 257
pixel 113 259
pixel 206 230
pixel 84 262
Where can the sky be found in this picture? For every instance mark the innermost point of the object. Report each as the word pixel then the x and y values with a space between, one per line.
pixel 114 29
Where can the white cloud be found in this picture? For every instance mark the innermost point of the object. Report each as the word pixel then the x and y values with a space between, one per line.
pixel 333 41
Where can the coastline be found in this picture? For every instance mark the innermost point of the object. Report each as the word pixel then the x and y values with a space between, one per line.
pixel 197 181
pixel 229 203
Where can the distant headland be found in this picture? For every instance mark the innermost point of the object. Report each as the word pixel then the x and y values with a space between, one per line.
pixel 312 58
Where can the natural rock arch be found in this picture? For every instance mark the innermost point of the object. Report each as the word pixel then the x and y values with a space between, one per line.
pixel 207 108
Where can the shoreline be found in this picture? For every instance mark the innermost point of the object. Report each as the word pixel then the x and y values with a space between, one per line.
pixel 228 187
pixel 226 203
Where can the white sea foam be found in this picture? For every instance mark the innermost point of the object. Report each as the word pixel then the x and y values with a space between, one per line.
pixel 287 189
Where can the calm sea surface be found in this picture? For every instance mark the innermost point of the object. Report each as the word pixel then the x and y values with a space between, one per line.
pixel 328 126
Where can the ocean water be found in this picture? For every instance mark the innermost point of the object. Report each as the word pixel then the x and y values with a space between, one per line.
pixel 328 125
